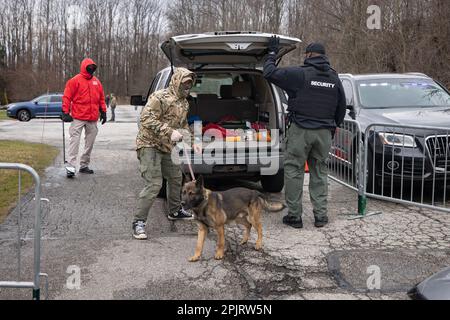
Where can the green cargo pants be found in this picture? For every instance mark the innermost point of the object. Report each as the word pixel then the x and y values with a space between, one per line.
pixel 154 165
pixel 313 146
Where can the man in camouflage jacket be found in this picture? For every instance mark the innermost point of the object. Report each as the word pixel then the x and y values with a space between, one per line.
pixel 162 123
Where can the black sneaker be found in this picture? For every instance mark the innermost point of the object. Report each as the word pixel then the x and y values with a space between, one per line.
pixel 86 170
pixel 180 215
pixel 293 222
pixel 320 223
pixel 139 230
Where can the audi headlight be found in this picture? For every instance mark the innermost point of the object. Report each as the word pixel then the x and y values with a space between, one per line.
pixel 396 139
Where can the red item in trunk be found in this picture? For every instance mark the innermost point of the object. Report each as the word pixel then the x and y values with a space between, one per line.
pixel 216 128
pixel 258 126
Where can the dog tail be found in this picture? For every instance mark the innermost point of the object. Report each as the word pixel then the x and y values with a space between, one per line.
pixel 271 206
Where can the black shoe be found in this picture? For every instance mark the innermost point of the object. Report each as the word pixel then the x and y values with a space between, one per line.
pixel 293 222
pixel 86 170
pixel 320 223
pixel 180 215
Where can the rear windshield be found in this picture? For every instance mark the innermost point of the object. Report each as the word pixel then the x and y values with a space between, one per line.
pixel 397 93
pixel 213 83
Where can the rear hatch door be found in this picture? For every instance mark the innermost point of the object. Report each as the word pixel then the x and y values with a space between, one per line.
pixel 241 49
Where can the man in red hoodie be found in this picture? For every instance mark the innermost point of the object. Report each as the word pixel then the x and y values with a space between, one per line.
pixel 83 103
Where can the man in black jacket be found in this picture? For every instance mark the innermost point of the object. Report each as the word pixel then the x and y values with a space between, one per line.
pixel 316 106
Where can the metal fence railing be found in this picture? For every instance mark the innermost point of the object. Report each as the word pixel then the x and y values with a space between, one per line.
pixel 392 162
pixel 408 164
pixel 346 160
pixel 35 282
pixel 344 164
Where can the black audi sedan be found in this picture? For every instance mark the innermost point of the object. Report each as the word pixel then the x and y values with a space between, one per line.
pixel 405 120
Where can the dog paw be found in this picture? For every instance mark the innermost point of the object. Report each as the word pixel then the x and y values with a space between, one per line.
pixel 194 259
pixel 258 246
pixel 219 256
pixel 244 242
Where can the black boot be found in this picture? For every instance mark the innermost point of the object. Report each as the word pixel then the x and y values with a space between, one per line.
pixel 293 222
pixel 86 170
pixel 320 223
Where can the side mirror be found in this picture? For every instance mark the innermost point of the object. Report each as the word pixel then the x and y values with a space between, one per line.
pixel 137 101
pixel 36 103
pixel 351 112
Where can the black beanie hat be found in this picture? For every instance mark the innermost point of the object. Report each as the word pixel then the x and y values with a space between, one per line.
pixel 315 47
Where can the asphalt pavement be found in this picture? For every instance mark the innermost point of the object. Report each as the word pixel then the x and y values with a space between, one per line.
pixel 86 231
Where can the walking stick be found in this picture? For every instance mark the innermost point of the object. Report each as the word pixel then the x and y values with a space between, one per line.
pixel 70 171
pixel 64 143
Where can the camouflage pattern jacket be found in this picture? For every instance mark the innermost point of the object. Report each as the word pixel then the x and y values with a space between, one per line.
pixel 166 111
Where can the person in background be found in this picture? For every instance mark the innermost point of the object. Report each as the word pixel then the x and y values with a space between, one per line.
pixel 107 100
pixel 113 105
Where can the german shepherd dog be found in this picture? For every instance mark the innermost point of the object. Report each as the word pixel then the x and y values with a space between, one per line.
pixel 216 209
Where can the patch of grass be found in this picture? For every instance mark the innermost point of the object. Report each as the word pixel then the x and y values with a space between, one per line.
pixel 37 156
pixel 3 115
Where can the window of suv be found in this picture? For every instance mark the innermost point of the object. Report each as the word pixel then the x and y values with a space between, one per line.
pixel 56 99
pixel 397 93
pixel 348 89
pixel 42 99
pixel 155 82
pixel 211 83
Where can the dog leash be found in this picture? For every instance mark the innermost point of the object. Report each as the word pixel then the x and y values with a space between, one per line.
pixel 188 160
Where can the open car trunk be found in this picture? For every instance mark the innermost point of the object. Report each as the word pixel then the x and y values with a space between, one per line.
pixel 234 103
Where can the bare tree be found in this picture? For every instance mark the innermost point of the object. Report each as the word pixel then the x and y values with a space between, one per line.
pixel 40 50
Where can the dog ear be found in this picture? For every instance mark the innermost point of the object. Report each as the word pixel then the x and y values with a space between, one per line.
pixel 199 183
pixel 187 179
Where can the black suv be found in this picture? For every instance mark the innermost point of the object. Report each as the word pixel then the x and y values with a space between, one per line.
pixel 396 153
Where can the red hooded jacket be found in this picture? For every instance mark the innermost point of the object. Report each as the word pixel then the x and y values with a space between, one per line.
pixel 83 95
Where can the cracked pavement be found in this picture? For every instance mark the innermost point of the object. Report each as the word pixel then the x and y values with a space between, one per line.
pixel 88 224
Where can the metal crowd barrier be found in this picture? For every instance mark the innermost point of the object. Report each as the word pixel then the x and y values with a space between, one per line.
pixel 408 165
pixel 345 161
pixel 397 163
pixel 344 164
pixel 35 283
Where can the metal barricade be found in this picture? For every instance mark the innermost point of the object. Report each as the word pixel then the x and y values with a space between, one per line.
pixel 346 161
pixel 35 283
pixel 344 165
pixel 408 165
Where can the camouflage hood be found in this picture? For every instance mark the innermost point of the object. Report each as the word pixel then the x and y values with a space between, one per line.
pixel 165 111
pixel 179 76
